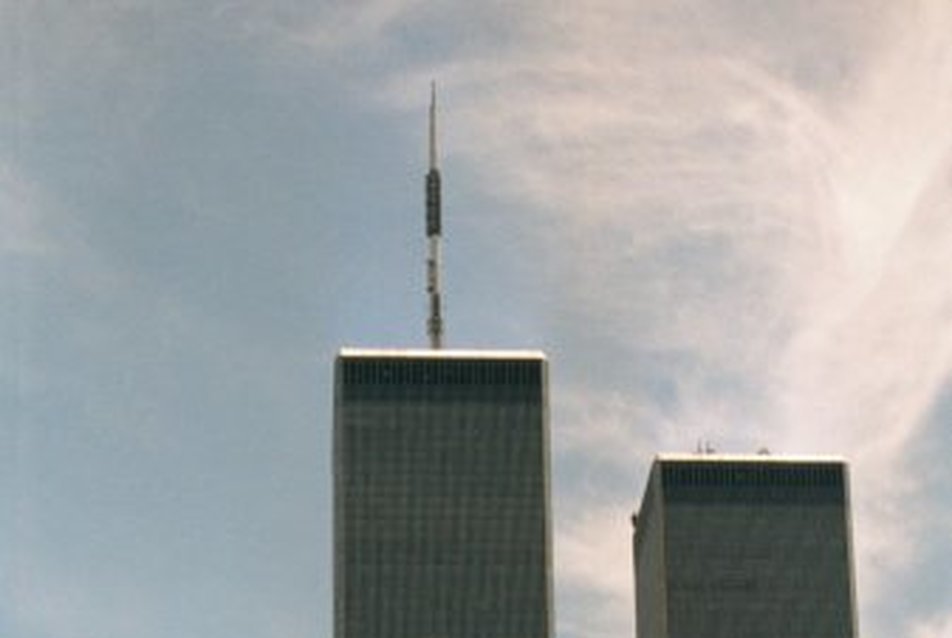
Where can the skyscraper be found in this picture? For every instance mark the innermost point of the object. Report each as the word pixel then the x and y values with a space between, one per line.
pixel 744 547
pixel 441 495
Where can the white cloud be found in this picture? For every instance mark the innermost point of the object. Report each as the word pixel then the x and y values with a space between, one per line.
pixel 340 27
pixel 937 627
pixel 761 196
pixel 20 216
pixel 589 551
pixel 793 239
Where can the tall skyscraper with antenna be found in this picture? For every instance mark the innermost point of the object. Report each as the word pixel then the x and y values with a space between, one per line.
pixel 442 525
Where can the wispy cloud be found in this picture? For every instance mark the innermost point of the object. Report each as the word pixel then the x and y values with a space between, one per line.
pixel 937 627
pixel 743 209
pixel 589 580
pixel 343 26
pixel 21 209
pixel 770 216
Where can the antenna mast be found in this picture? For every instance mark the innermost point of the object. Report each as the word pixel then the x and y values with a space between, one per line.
pixel 434 324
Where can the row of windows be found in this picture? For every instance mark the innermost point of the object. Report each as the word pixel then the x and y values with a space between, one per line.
pixel 464 395
pixel 765 475
pixel 500 616
pixel 440 372
pixel 450 600
pixel 470 559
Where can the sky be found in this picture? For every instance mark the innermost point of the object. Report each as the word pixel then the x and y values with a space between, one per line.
pixel 724 221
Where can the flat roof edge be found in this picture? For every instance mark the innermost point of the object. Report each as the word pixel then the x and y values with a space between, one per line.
pixel 422 353
pixel 758 458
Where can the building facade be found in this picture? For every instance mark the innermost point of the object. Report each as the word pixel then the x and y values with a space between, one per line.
pixel 441 495
pixel 744 547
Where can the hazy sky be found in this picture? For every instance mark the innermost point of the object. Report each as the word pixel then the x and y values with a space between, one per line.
pixel 724 220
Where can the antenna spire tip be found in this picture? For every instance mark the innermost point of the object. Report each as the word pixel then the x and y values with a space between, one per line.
pixel 433 158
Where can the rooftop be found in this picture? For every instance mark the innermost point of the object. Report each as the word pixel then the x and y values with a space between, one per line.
pixel 745 458
pixel 425 353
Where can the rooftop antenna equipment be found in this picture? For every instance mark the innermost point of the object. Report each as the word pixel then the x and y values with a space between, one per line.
pixel 434 324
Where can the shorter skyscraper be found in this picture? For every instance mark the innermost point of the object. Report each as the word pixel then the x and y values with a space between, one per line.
pixel 744 547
